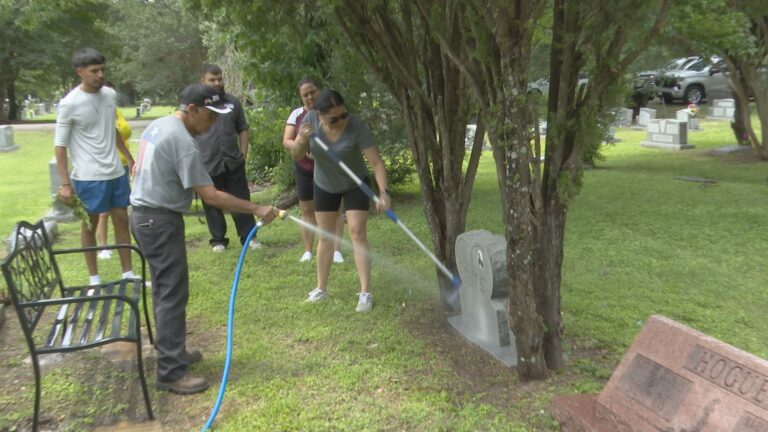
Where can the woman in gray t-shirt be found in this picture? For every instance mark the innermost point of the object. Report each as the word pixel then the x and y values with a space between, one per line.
pixel 350 139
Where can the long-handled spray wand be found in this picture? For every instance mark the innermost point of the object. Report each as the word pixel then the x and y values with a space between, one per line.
pixel 231 319
pixel 455 281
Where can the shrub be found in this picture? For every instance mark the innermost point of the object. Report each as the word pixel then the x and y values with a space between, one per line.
pixel 267 160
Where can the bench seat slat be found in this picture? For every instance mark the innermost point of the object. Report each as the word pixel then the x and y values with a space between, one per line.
pixel 104 317
pixel 89 315
pixel 117 319
pixel 69 334
pixel 58 325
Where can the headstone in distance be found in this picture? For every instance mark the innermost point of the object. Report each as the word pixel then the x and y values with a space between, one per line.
pixel 6 139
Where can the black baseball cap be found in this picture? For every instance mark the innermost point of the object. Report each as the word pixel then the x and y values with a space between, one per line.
pixel 203 96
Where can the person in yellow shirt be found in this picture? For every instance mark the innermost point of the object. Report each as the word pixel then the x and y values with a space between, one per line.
pixel 102 229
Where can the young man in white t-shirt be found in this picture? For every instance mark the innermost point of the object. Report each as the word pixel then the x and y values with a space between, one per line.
pixel 85 125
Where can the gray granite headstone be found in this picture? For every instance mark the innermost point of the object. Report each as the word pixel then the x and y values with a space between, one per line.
pixel 667 134
pixel 60 212
pixel 6 139
pixel 481 258
pixel 622 117
pixel 50 227
pixel 610 135
pixel 685 115
pixel 722 109
pixel 645 117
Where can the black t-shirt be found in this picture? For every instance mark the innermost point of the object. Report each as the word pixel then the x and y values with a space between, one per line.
pixel 220 145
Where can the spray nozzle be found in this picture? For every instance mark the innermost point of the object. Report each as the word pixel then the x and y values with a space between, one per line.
pixel 282 214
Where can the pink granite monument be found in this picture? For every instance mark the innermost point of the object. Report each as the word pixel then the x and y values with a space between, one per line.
pixel 674 379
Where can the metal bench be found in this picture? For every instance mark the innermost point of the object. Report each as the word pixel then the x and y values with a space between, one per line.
pixel 79 317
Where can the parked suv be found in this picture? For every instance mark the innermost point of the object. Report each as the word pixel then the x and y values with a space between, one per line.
pixel 700 79
pixel 645 84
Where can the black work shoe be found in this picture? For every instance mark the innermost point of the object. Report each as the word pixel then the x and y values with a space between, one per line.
pixel 187 384
pixel 192 357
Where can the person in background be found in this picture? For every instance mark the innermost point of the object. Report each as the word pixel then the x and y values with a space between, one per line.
pixel 225 149
pixel 169 169
pixel 304 169
pixel 85 130
pixel 124 130
pixel 350 139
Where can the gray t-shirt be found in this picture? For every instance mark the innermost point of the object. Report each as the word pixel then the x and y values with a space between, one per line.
pixel 85 124
pixel 168 166
pixel 355 138
pixel 220 145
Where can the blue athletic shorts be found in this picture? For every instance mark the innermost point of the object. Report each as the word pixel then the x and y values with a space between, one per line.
pixel 100 196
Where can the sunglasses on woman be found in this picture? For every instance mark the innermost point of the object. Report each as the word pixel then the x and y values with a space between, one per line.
pixel 335 119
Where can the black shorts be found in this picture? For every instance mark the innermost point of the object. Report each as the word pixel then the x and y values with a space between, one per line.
pixel 354 199
pixel 304 183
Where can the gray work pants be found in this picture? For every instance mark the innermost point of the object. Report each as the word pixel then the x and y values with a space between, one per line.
pixel 160 236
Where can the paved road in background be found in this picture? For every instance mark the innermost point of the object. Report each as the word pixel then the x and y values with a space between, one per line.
pixel 135 124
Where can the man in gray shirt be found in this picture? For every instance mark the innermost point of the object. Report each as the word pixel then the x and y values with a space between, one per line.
pixel 225 148
pixel 169 168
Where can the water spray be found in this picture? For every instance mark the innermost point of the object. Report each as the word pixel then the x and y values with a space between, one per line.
pixel 282 214
pixel 455 281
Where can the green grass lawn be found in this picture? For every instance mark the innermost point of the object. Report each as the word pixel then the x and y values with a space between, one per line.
pixel 129 112
pixel 638 242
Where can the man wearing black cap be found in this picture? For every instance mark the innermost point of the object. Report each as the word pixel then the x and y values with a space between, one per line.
pixel 225 148
pixel 169 168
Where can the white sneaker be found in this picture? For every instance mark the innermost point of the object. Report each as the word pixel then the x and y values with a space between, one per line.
pixel 337 257
pixel 219 248
pixel 316 295
pixel 104 254
pixel 306 257
pixel 364 302
pixel 255 244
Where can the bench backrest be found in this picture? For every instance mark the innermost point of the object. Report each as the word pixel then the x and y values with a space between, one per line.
pixel 30 272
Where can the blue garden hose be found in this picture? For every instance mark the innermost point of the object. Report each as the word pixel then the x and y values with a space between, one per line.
pixel 230 323
pixel 455 281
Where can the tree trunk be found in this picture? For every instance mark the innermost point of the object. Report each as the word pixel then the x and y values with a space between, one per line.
pixel 2 101
pixel 549 265
pixel 738 125
pixel 10 93
pixel 513 167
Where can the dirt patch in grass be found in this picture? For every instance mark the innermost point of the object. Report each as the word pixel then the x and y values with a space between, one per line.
pixel 480 378
pixel 95 388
